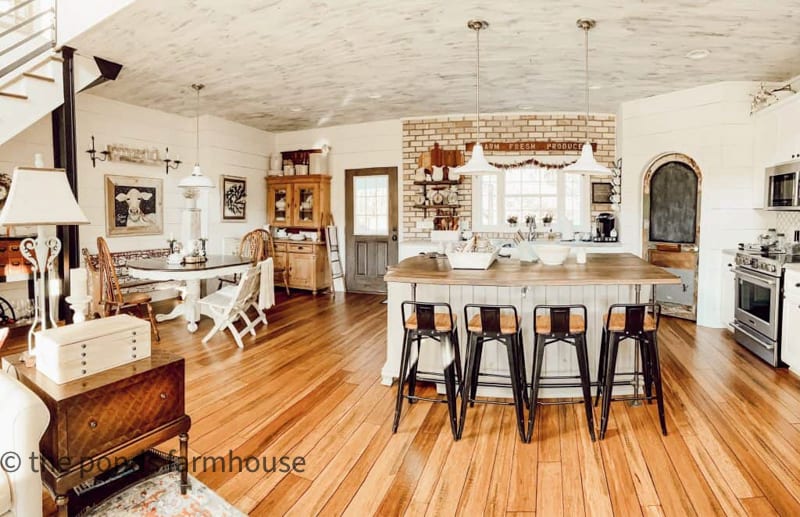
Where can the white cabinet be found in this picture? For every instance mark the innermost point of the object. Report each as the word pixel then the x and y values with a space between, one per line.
pixel 790 342
pixel 727 291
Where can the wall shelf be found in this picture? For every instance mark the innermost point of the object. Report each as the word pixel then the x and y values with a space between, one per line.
pixel 441 182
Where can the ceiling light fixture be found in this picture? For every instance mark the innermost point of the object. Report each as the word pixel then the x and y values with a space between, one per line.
pixel 477 163
pixel 586 164
pixel 295 109
pixel 196 179
pixel 698 53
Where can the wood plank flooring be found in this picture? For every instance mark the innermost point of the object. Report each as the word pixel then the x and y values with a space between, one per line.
pixel 309 385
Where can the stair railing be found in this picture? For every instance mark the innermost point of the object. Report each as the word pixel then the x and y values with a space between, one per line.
pixel 27 30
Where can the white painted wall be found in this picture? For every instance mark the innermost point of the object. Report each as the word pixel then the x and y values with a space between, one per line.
pixel 712 125
pixel 226 148
pixel 355 146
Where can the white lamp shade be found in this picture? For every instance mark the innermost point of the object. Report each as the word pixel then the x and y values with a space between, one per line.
pixel 196 180
pixel 41 197
pixel 586 164
pixel 477 163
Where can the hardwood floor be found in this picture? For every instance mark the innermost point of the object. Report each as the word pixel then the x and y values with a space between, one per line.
pixel 309 385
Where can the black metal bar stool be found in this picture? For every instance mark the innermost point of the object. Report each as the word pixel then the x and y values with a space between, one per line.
pixel 560 324
pixel 639 322
pixel 425 321
pixel 498 323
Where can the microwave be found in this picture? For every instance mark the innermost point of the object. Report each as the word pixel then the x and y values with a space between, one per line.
pixel 783 186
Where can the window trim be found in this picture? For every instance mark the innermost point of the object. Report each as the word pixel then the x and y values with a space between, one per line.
pixel 502 226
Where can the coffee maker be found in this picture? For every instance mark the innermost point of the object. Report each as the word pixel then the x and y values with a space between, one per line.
pixel 605 228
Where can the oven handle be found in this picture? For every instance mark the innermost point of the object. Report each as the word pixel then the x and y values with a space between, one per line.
pixel 749 334
pixel 770 282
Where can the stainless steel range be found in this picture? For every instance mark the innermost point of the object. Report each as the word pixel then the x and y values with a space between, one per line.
pixel 759 288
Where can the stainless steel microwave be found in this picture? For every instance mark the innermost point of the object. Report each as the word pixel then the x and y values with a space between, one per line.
pixel 783 186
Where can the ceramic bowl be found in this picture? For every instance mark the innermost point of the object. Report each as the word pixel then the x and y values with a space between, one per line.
pixel 551 254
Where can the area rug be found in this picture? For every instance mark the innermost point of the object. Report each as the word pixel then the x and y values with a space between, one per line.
pixel 161 496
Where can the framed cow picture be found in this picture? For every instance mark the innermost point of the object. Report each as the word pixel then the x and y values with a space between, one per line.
pixel 134 206
pixel 234 198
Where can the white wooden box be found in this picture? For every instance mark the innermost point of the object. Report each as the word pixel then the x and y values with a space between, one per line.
pixel 73 351
pixel 472 260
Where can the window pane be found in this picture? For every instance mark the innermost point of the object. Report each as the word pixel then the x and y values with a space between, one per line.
pixel 370 205
pixel 489 210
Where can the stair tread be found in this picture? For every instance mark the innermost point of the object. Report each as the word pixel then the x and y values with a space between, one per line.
pixel 41 77
pixel 14 95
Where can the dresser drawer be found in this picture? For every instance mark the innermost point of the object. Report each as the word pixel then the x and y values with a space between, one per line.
pixel 301 248
pixel 105 418
pixel 280 247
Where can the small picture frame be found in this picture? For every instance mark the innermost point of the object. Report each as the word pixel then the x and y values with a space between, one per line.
pixel 134 206
pixel 234 198
pixel 601 193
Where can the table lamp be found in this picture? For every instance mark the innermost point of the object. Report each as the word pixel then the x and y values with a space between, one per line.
pixel 41 197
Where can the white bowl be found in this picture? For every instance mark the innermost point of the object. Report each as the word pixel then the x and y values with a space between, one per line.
pixel 551 254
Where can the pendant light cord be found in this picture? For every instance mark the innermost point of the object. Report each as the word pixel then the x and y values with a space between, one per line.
pixel 586 86
pixel 197 126
pixel 478 87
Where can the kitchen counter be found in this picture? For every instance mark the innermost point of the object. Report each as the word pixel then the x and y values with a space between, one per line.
pixel 600 269
pixel 605 279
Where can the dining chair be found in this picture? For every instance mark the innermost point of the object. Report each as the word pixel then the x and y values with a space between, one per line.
pixel 226 307
pixel 279 267
pixel 113 301
pixel 252 247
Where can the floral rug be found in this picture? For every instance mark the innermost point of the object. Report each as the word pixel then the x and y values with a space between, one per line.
pixel 161 496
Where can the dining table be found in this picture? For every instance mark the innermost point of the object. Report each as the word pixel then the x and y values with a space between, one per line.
pixel 192 275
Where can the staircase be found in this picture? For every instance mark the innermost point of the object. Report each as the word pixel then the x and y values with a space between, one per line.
pixel 31 84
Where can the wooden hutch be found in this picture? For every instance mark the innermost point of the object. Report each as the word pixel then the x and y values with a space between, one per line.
pixel 300 204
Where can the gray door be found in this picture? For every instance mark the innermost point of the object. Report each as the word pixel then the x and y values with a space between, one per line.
pixel 371 220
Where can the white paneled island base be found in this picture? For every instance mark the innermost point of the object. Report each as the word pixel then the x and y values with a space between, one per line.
pixel 604 280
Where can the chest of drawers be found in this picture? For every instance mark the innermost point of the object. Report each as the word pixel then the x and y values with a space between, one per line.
pixel 67 353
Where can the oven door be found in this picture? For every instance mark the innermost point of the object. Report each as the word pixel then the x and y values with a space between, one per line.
pixel 758 302
pixel 782 190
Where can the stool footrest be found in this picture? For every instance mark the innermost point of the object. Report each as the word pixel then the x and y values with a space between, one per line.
pixel 426 399
pixel 493 402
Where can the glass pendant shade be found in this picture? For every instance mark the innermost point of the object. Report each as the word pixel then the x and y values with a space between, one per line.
pixel 586 164
pixel 477 163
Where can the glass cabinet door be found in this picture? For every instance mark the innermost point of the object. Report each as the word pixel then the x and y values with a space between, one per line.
pixel 279 201
pixel 306 205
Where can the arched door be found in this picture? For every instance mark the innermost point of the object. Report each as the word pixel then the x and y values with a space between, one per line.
pixel 672 189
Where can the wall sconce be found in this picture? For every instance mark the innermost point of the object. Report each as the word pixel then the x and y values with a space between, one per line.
pixel 93 154
pixel 171 164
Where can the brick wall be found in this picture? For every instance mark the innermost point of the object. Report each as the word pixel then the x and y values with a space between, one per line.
pixel 454 132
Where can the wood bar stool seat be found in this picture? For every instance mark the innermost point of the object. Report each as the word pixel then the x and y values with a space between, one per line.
pixel 560 324
pixel 441 322
pixel 502 324
pixel 577 324
pixel 637 322
pixel 429 321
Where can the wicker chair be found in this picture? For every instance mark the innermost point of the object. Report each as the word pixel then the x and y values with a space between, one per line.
pixel 113 301
pixel 280 269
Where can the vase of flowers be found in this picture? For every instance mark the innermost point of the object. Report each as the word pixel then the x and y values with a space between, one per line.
pixel 512 221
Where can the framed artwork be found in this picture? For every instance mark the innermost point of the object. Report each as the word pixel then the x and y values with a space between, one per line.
pixel 140 155
pixel 134 206
pixel 234 198
pixel 601 193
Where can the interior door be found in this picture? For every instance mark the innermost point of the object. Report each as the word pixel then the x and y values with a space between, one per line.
pixel 371 227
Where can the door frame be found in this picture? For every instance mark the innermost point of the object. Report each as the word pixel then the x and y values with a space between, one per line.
pixel 679 311
pixel 394 216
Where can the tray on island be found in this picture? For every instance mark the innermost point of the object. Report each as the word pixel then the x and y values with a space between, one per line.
pixel 471 260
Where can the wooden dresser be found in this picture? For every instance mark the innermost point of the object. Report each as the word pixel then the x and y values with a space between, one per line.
pixel 306 263
pixel 102 419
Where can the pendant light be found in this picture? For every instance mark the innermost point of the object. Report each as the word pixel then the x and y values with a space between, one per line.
pixel 586 164
pixel 477 163
pixel 197 180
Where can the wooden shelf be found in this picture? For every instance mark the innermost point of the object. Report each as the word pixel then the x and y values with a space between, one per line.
pixel 434 207
pixel 442 182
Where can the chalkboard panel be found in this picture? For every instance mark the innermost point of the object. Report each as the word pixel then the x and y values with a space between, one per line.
pixel 673 204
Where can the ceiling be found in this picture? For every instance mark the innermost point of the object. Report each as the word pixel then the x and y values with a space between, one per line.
pixel 287 65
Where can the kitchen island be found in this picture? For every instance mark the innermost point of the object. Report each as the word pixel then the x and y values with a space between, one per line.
pixel 604 279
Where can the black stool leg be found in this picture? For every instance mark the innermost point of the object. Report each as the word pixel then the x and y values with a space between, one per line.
pixel 451 393
pixel 412 374
pixel 516 388
pixel 652 340
pixel 583 367
pixel 467 388
pixel 601 365
pixel 407 342
pixel 536 374
pixel 457 352
pixel 476 369
pixel 647 367
pixel 611 367
pixel 523 374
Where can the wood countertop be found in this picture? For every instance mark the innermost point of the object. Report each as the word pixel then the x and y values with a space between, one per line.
pixel 600 269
